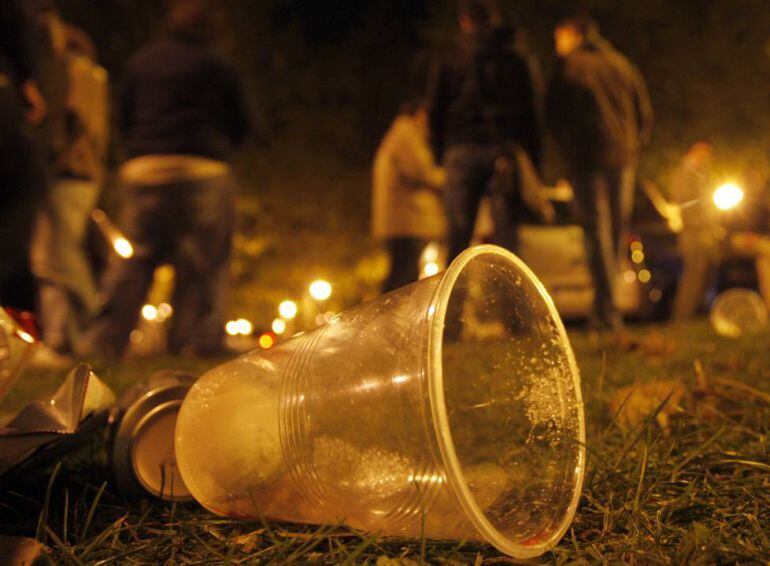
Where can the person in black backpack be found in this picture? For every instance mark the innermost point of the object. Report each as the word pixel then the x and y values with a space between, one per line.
pixel 482 108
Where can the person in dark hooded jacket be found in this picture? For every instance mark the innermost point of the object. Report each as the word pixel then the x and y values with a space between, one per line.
pixel 600 115
pixel 481 102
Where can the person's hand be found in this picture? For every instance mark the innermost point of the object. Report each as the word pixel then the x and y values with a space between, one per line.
pixel 674 218
pixel 36 106
pixel 548 212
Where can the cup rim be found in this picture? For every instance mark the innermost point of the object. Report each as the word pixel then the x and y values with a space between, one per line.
pixel 455 477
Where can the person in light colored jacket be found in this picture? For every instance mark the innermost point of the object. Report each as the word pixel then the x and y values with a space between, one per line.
pixel 407 211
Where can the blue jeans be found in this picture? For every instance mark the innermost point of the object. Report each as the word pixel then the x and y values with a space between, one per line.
pixel 188 225
pixel 471 174
pixel 66 288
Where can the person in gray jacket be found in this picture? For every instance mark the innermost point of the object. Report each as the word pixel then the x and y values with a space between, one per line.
pixel 407 210
pixel 600 115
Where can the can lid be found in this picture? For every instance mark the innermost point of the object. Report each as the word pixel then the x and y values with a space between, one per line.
pixel 143 457
pixel 152 453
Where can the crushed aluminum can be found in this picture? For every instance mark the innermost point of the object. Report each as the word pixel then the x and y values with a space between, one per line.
pixel 143 426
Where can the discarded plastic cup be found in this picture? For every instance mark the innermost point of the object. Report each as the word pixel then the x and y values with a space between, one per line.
pixel 450 409
pixel 738 312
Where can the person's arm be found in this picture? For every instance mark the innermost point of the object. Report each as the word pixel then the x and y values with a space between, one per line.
pixel 533 103
pixel 125 106
pixel 436 102
pixel 557 102
pixel 644 110
pixel 414 161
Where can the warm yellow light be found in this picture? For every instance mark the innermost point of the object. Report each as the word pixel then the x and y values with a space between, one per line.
pixel 244 326
pixel 266 341
pixel 123 247
pixel 279 326
pixel 644 276
pixel 637 246
pixel 637 256
pixel 430 253
pixel 728 196
pixel 320 290
pixel 25 336
pixel 232 328
pixel 430 269
pixel 165 311
pixel 287 309
pixel 149 312
pixel 629 276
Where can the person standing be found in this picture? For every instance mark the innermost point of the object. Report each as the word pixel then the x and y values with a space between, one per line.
pixel 407 210
pixel 77 126
pixel 600 114
pixel 483 117
pixel 182 114
pixel 22 170
pixel 691 190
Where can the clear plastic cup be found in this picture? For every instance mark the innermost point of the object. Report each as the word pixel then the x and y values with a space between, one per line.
pixel 449 409
pixel 738 312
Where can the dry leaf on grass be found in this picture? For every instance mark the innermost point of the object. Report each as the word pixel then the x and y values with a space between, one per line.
pixel 634 403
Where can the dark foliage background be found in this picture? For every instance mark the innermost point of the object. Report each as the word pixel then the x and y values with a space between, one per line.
pixel 327 77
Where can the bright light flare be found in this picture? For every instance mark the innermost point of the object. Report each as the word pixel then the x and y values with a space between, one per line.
pixel 266 341
pixel 287 309
pixel 320 290
pixel 240 327
pixel 25 336
pixel 165 311
pixel 149 312
pixel 430 269
pixel 245 327
pixel 123 247
pixel 279 326
pixel 728 196
pixel 430 253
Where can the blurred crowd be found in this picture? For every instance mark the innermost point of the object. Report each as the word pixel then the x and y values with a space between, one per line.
pixel 473 140
pixel 480 129
pixel 181 114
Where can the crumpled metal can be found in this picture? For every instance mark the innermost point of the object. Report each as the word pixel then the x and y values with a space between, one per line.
pixel 142 429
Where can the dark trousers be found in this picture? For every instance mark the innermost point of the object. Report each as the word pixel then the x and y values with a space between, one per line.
pixel 405 253
pixel 188 225
pixel 471 174
pixel 22 187
pixel 604 201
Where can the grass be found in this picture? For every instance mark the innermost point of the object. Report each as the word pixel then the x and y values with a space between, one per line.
pixel 694 492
